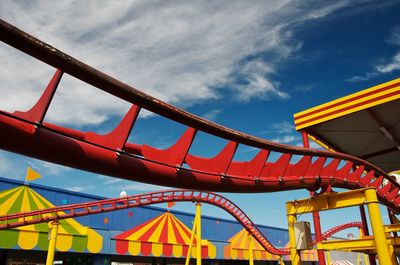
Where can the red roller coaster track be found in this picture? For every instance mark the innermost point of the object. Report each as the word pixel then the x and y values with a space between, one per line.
pixel 26 133
pixel 88 208
pixel 108 205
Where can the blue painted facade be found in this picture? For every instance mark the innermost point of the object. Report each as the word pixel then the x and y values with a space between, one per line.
pixel 216 230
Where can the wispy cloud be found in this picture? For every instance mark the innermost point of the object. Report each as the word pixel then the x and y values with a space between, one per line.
pixel 141 187
pixel 212 115
pixel 283 127
pixel 256 83
pixel 181 52
pixel 391 65
pixel 285 139
pixel 82 188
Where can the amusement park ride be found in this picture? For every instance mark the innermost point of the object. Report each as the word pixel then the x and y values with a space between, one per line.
pixel 318 171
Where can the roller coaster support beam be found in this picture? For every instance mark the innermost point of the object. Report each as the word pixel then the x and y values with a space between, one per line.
pixel 365 231
pixel 316 219
pixel 341 200
pixel 52 242
pixel 295 256
pixel 366 257
pixel 196 232
pixel 377 226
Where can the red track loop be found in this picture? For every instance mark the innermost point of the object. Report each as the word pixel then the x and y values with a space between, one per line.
pixel 339 228
pixel 26 134
pixel 102 206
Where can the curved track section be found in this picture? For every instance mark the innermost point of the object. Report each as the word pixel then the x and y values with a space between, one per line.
pixel 339 228
pixel 26 133
pixel 102 206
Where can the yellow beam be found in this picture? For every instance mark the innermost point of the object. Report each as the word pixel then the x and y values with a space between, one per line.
pixel 366 244
pixel 382 248
pixel 192 234
pixel 392 228
pixel 198 234
pixel 52 243
pixel 295 256
pixel 328 201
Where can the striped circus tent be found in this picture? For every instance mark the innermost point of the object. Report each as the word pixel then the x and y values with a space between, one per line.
pixel 71 234
pixel 164 235
pixel 238 248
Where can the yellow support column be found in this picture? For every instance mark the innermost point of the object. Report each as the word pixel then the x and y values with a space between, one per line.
pixel 328 257
pixel 198 233
pixel 52 242
pixel 189 253
pixel 294 253
pixel 251 248
pixel 382 248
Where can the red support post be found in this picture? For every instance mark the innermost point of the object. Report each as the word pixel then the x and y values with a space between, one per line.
pixel 316 219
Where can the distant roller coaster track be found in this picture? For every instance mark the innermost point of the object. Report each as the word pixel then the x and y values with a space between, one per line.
pixel 108 205
pixel 26 133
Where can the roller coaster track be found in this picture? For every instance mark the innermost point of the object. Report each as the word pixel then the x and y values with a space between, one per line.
pixel 26 133
pixel 102 206
pixel 108 205
pixel 339 228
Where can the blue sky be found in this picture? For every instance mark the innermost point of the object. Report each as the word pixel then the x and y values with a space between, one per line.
pixel 248 65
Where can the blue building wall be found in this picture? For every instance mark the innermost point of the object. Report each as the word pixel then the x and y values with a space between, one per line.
pixel 216 230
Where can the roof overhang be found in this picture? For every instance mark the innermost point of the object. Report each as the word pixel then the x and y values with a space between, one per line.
pixel 365 124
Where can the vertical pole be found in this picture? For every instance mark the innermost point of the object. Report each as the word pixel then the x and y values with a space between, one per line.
pixel 251 247
pixel 52 242
pixel 382 248
pixel 189 253
pixel 365 231
pixel 294 253
pixel 393 255
pixel 198 233
pixel 315 215
pixel 328 258
pixel 392 219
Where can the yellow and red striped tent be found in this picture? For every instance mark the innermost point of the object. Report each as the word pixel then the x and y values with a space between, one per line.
pixel 164 235
pixel 239 248
pixel 71 234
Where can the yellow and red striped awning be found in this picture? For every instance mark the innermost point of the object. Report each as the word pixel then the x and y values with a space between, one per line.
pixel 239 248
pixel 71 234
pixel 373 96
pixel 164 235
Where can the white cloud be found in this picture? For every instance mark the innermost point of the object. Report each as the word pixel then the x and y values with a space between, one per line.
pixel 283 127
pixel 182 52
pixel 257 85
pixel 141 187
pixel 83 188
pixel 393 65
pixel 285 139
pixel 394 37
pixel 390 66
pixel 212 115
